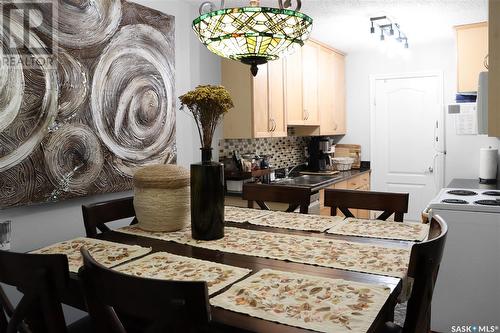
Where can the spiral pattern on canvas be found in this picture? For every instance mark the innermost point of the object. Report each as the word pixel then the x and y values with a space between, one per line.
pixel 11 85
pixel 97 21
pixel 18 183
pixel 132 97
pixel 73 157
pixel 20 138
pixel 73 85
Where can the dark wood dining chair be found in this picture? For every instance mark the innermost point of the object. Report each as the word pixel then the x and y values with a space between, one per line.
pixel 96 215
pixel 295 197
pixel 42 279
pixel 159 305
pixel 389 203
pixel 424 265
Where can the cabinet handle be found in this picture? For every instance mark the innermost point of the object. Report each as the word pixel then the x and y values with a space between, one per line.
pixel 273 125
pixel 305 114
pixel 335 126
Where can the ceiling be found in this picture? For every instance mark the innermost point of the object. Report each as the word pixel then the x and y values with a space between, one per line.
pixel 345 24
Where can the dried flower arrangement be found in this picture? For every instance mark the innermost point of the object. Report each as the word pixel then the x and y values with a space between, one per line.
pixel 207 104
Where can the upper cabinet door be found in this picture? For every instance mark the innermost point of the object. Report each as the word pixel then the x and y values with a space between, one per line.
pixel 262 125
pixel 293 88
pixel 310 53
pixel 331 92
pixel 276 96
pixel 326 92
pixel 339 94
pixel 472 48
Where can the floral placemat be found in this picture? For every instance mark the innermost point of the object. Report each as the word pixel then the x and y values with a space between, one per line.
pixel 310 302
pixel 382 229
pixel 296 221
pixel 383 260
pixel 106 253
pixel 167 266
pixel 241 215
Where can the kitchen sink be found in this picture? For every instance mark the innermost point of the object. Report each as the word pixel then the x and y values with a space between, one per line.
pixel 306 180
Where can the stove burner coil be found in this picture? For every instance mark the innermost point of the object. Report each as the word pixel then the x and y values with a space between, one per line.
pixel 455 201
pixel 462 192
pixel 492 193
pixel 488 202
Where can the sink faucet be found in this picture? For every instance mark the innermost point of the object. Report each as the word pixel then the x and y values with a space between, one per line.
pixel 289 171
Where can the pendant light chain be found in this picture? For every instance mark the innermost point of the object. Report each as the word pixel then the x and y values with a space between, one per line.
pixel 254 3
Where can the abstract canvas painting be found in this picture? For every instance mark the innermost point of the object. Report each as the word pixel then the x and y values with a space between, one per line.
pixel 86 97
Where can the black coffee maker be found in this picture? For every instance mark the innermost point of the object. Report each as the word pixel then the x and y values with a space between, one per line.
pixel 318 160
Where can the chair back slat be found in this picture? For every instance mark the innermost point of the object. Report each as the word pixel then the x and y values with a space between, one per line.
pixel 295 197
pixel 388 203
pixel 159 303
pixel 424 265
pixel 96 215
pixel 42 279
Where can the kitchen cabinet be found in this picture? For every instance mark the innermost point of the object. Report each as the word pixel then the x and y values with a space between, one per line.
pixel 323 91
pixel 293 88
pixel 305 90
pixel 472 49
pixel 310 69
pixel 301 81
pixel 331 92
pixel 359 183
pixel 494 69
pixel 258 101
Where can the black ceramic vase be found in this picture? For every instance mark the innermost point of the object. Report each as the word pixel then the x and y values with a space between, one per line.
pixel 207 198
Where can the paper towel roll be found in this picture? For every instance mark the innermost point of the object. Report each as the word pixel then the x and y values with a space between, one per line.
pixel 488 159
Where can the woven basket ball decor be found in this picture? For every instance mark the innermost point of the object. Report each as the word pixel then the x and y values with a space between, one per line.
pixel 161 197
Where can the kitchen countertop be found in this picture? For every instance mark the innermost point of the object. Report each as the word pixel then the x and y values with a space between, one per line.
pixel 337 178
pixel 472 184
pixel 340 177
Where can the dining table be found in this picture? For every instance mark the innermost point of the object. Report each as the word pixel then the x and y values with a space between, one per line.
pixel 239 321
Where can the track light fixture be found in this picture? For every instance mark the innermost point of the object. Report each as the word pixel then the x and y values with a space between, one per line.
pixel 389 28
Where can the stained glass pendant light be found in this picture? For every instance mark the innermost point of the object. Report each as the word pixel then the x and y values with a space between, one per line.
pixel 253 35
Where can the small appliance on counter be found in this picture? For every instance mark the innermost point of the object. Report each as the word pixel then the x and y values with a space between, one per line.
pixel 488 164
pixel 320 152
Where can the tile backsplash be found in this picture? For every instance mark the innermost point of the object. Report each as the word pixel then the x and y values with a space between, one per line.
pixel 286 152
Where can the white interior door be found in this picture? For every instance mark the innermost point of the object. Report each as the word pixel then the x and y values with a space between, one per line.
pixel 406 147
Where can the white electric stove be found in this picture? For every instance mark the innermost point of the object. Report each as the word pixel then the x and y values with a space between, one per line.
pixel 468 286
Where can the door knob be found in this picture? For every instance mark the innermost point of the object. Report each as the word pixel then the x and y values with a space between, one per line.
pixel 431 169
